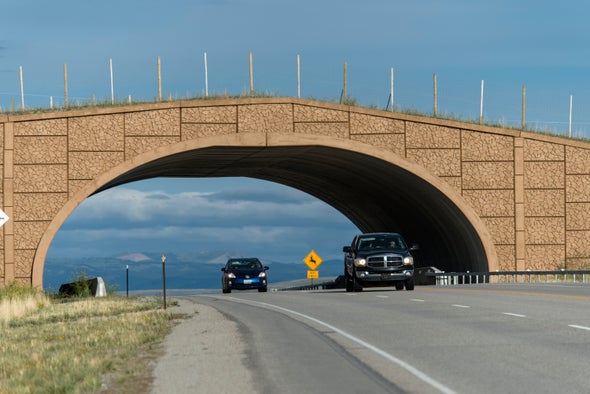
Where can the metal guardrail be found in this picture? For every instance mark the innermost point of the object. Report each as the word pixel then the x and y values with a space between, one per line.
pixel 561 276
pixel 440 278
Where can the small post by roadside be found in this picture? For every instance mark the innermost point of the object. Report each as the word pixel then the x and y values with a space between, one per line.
pixel 164 279
pixel 127 280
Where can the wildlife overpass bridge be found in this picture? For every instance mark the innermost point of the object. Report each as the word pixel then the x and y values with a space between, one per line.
pixel 474 197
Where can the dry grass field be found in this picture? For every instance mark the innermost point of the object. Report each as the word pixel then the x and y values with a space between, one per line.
pixel 80 345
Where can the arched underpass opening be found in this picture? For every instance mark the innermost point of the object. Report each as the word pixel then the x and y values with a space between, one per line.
pixel 375 194
pixel 198 223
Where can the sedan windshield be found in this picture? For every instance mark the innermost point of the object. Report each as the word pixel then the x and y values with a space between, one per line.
pixel 245 264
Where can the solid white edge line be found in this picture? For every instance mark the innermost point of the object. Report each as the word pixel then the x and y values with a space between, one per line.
pixel 579 327
pixel 513 314
pixel 413 370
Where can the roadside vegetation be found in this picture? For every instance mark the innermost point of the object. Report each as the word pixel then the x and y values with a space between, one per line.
pixel 77 345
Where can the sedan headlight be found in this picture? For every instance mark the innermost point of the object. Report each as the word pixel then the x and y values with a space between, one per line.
pixel 231 275
pixel 408 260
pixel 360 262
pixel 262 275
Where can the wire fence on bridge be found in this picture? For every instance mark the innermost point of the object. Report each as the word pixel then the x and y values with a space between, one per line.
pixel 471 107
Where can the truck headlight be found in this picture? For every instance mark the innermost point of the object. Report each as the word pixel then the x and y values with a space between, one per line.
pixel 408 260
pixel 360 262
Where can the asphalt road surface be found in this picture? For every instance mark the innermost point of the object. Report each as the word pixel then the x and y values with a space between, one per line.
pixel 463 339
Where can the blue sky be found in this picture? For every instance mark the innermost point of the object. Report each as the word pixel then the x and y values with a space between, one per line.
pixel 540 44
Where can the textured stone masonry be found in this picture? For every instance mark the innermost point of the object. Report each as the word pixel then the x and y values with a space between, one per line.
pixel 531 192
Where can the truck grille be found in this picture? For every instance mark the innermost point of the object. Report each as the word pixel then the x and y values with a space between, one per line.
pixel 384 261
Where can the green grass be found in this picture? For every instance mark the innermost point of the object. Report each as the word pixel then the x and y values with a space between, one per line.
pixel 350 101
pixel 84 345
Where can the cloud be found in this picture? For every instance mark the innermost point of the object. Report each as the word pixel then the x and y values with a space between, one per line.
pixel 262 219
pixel 127 208
pixel 261 194
pixel 3 49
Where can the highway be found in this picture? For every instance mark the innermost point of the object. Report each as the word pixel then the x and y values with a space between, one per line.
pixel 460 339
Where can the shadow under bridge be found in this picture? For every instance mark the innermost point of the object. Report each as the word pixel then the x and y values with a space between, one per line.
pixel 376 195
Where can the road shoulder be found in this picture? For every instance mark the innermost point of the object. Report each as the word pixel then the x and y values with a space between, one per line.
pixel 203 353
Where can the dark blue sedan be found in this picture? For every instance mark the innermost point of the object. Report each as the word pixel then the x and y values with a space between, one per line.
pixel 243 274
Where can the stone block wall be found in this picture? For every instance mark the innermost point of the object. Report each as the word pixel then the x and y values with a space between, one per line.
pixel 531 191
pixel 577 207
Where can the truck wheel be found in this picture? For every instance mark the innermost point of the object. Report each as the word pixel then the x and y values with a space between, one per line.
pixel 355 284
pixel 348 282
pixel 399 285
pixel 410 284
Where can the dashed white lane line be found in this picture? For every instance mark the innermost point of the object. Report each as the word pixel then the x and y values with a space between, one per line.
pixel 382 296
pixel 579 327
pixel 507 314
pixel 513 314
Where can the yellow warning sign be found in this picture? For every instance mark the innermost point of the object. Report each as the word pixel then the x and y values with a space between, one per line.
pixel 313 274
pixel 312 260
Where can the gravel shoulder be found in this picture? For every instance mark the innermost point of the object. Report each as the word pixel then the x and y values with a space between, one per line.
pixel 204 353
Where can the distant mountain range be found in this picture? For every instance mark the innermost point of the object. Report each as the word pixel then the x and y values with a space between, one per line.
pixel 199 270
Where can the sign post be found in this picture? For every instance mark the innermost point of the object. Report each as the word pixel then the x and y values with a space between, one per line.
pixel 164 279
pixel 127 280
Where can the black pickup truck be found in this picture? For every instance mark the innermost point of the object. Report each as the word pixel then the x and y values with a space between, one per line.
pixel 378 259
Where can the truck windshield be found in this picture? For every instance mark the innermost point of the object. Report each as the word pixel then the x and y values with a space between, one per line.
pixel 381 242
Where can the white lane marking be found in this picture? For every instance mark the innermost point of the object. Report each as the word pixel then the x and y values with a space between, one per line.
pixel 382 296
pixel 580 327
pixel 513 314
pixel 461 306
pixel 413 370
pixel 416 300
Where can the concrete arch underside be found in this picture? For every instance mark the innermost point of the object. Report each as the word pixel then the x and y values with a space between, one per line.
pixel 376 189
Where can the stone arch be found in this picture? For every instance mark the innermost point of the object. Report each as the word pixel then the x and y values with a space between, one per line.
pixel 375 188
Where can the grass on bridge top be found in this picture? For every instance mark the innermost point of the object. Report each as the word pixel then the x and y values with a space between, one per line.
pixel 353 102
